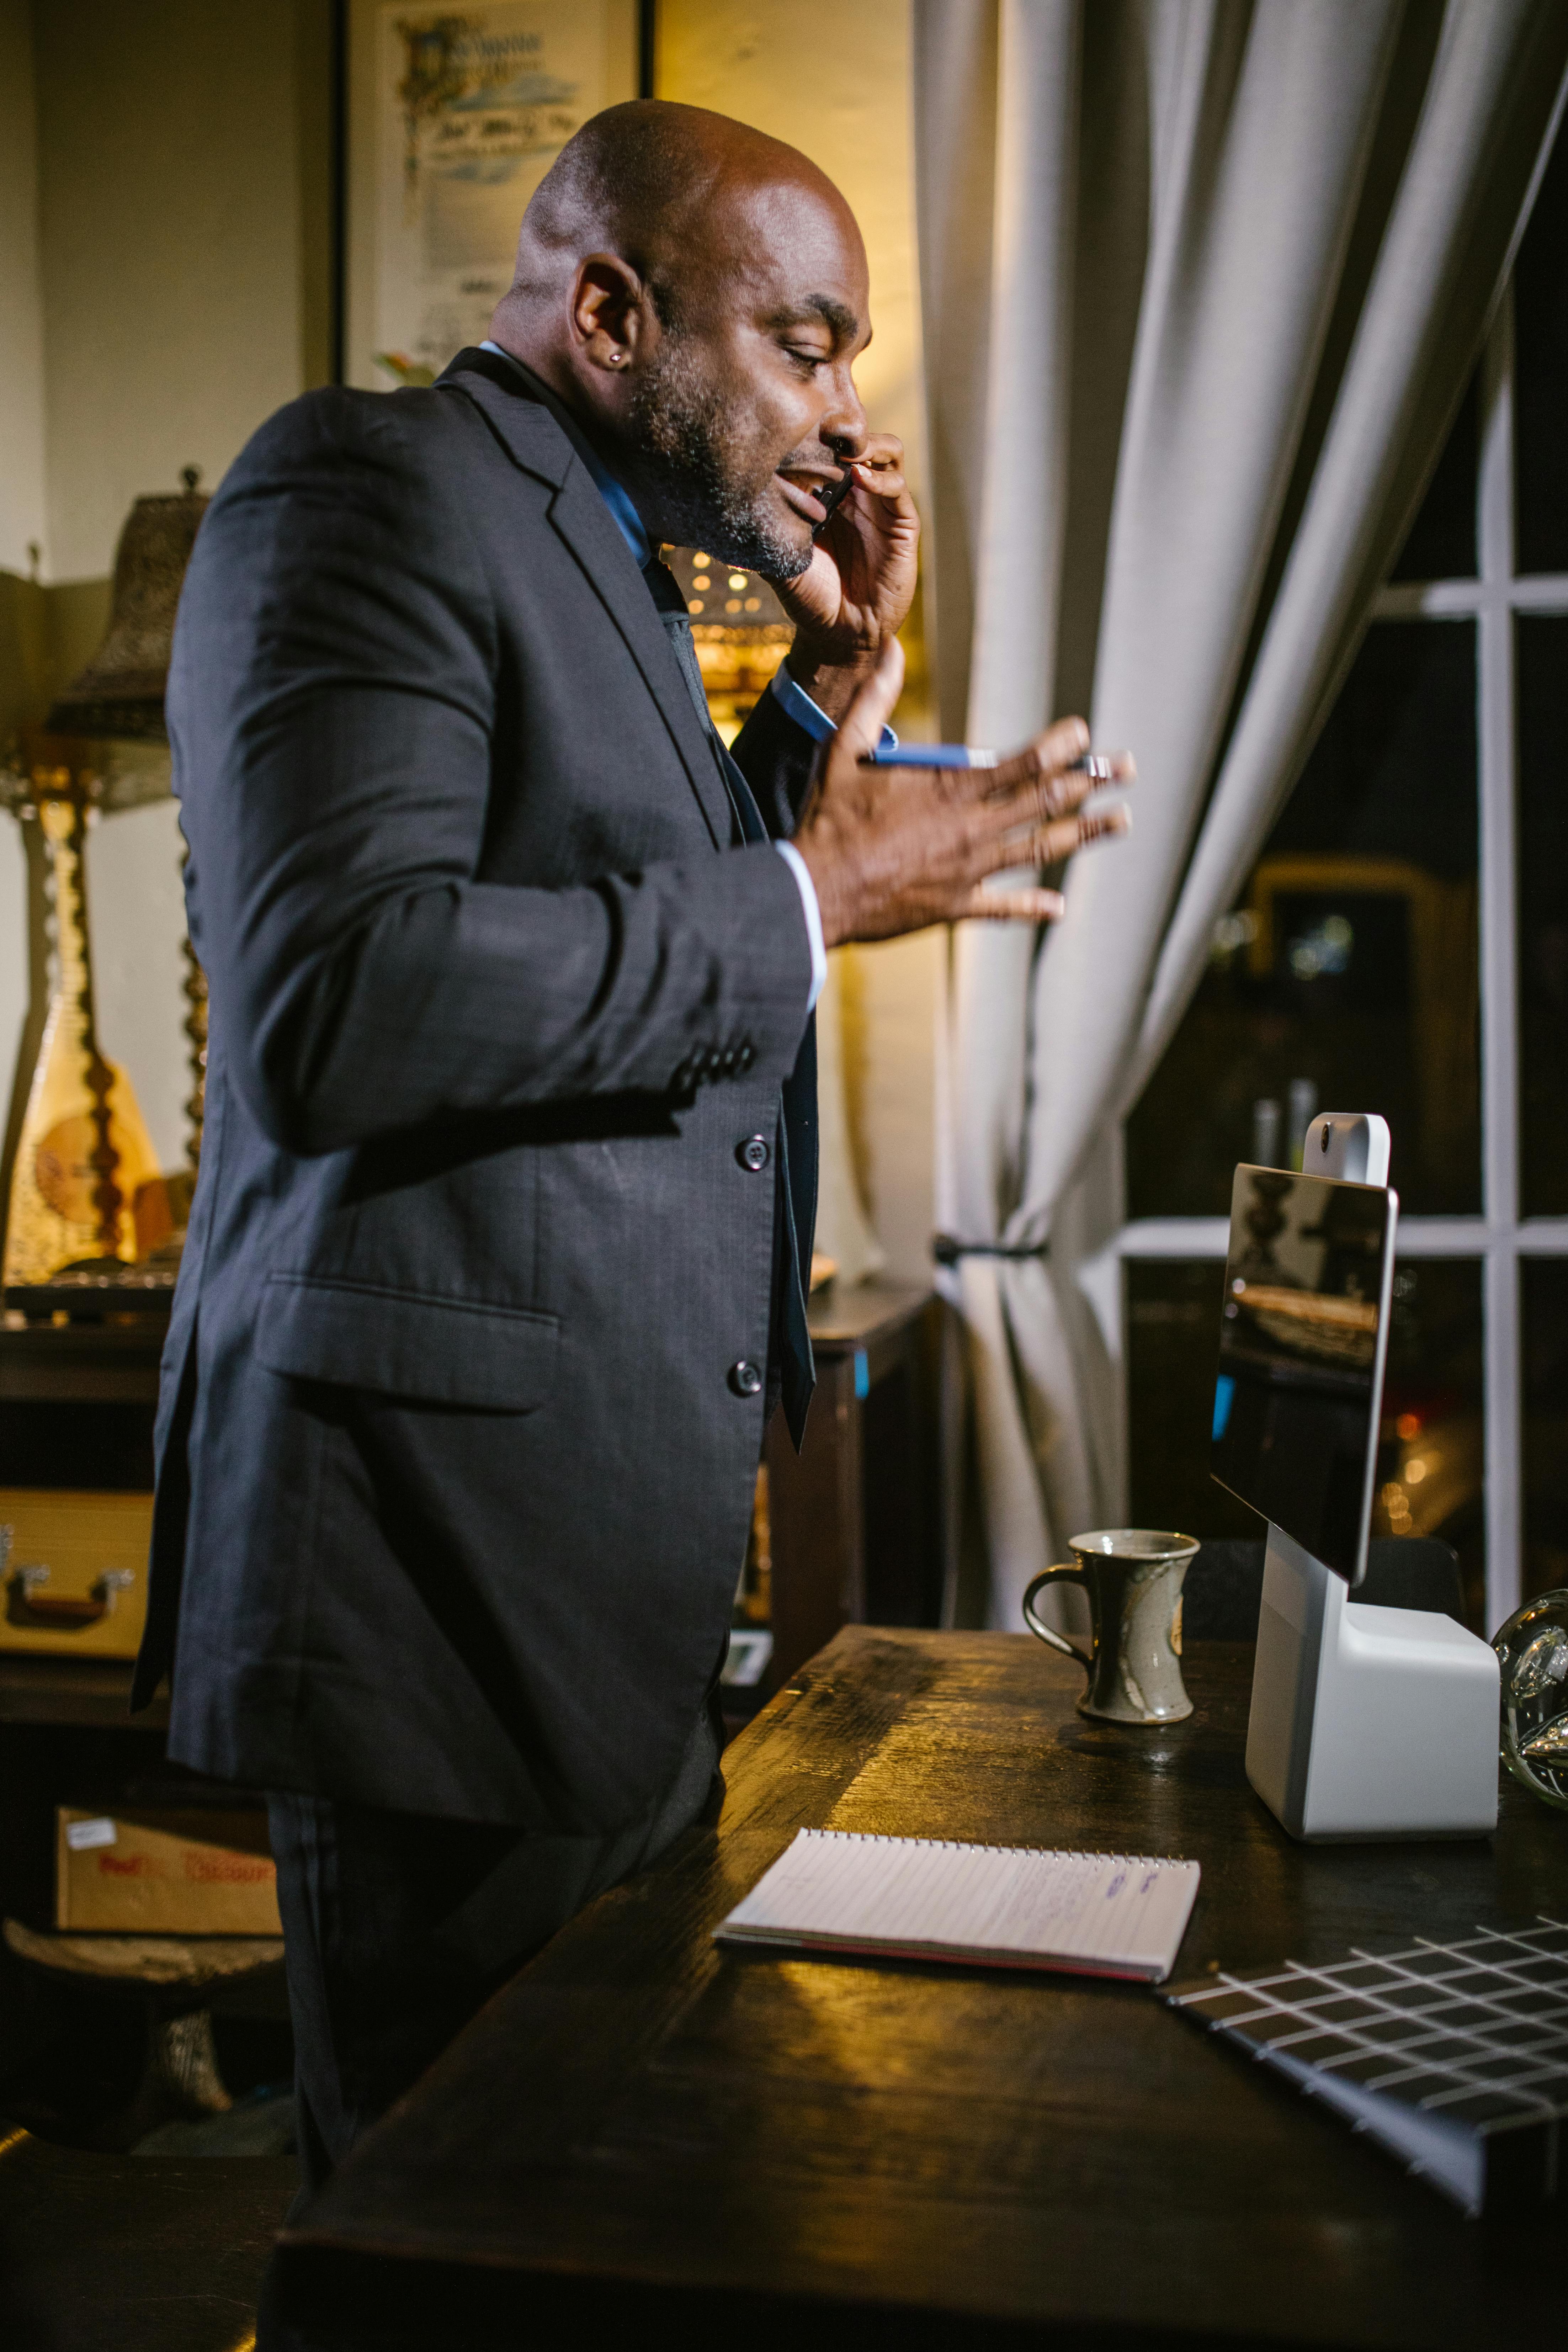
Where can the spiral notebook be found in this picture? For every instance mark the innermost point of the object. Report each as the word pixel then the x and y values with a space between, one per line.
pixel 1003 1906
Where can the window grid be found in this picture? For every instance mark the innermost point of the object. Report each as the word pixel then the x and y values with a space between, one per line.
pixel 1498 1238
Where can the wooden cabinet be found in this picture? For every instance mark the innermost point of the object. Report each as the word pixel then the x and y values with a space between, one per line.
pixel 856 1518
pixel 76 1404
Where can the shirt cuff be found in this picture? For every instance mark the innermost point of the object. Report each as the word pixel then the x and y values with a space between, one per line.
pixel 809 907
pixel 798 705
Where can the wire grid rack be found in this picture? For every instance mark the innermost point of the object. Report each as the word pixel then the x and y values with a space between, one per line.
pixel 1470 2035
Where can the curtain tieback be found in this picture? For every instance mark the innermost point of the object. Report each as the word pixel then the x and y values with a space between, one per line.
pixel 947 1251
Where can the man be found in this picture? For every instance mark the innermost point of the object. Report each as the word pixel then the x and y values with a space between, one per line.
pixel 498 1251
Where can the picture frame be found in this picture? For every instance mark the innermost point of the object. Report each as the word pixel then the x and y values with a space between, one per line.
pixel 452 117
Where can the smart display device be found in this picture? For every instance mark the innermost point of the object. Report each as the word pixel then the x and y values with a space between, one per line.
pixel 1303 1333
pixel 1366 1722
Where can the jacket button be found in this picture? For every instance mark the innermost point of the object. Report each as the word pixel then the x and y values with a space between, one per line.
pixel 753 1153
pixel 745 1379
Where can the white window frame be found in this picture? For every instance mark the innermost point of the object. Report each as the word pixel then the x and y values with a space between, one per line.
pixel 1499 1237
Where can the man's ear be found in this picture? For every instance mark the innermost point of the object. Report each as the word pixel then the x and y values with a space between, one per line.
pixel 609 312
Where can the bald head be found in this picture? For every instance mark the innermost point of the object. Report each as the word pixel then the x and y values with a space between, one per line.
pixel 696 293
pixel 655 183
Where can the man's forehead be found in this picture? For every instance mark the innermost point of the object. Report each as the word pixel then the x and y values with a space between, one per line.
pixel 800 255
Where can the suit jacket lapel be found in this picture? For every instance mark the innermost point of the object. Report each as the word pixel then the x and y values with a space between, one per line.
pixel 589 529
pixel 535 440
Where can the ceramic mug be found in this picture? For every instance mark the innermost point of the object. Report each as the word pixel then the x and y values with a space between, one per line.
pixel 1133 1577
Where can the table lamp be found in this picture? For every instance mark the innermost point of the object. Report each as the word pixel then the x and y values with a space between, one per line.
pixel 86 1198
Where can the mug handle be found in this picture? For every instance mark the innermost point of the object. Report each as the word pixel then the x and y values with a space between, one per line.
pixel 1068 1648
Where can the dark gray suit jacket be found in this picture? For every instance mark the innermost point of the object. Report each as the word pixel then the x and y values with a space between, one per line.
pixel 455 1463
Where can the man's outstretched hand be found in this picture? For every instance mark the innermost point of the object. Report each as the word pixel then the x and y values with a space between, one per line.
pixel 892 849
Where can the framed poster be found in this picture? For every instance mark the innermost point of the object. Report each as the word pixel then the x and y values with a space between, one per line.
pixel 454 117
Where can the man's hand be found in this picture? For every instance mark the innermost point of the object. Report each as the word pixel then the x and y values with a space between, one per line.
pixel 859 585
pixel 892 849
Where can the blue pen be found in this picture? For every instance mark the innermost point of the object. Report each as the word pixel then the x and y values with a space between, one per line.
pixel 970 755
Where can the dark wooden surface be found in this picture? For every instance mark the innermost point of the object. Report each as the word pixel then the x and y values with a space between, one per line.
pixel 642 2132
pixel 89 1691
pixel 113 1363
pixel 856 1516
pixel 127 2253
pixel 869 1315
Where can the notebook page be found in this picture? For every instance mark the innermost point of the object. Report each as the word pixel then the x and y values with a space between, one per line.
pixel 911 1893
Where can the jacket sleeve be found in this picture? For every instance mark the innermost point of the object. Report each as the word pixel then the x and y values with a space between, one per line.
pixel 332 705
pixel 775 757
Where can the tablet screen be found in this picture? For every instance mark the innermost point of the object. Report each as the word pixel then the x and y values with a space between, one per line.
pixel 1303 1333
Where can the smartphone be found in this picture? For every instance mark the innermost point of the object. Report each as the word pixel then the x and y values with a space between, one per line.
pixel 833 497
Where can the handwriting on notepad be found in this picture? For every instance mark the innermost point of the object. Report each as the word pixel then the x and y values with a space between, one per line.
pixel 1007 1906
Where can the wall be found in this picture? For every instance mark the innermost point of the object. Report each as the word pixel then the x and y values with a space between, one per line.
pixel 168 162
pixel 793 72
pixel 21 314
pixel 172 209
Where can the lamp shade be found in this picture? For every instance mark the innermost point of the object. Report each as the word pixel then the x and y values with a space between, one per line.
pixel 121 691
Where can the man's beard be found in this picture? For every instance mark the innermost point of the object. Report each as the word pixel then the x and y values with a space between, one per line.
pixel 694 461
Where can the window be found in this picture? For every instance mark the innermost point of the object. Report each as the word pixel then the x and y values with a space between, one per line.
pixel 1402 946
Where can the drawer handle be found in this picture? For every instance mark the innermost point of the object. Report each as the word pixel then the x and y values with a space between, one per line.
pixel 31 1605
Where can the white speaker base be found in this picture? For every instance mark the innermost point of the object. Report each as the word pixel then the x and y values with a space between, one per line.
pixel 1367 1722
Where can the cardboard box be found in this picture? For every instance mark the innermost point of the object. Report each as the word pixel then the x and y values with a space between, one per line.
pixel 167 1873
pixel 92 1602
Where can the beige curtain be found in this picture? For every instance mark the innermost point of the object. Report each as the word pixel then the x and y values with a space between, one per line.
pixel 1203 282
pixel 843 1229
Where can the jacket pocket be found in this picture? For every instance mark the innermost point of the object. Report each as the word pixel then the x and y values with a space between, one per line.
pixel 442 1350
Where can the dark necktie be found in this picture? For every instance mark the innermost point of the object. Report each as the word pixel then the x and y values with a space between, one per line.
pixel 796 1139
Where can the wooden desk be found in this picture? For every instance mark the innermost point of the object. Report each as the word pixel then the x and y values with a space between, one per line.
pixel 133 2254
pixel 641 2133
